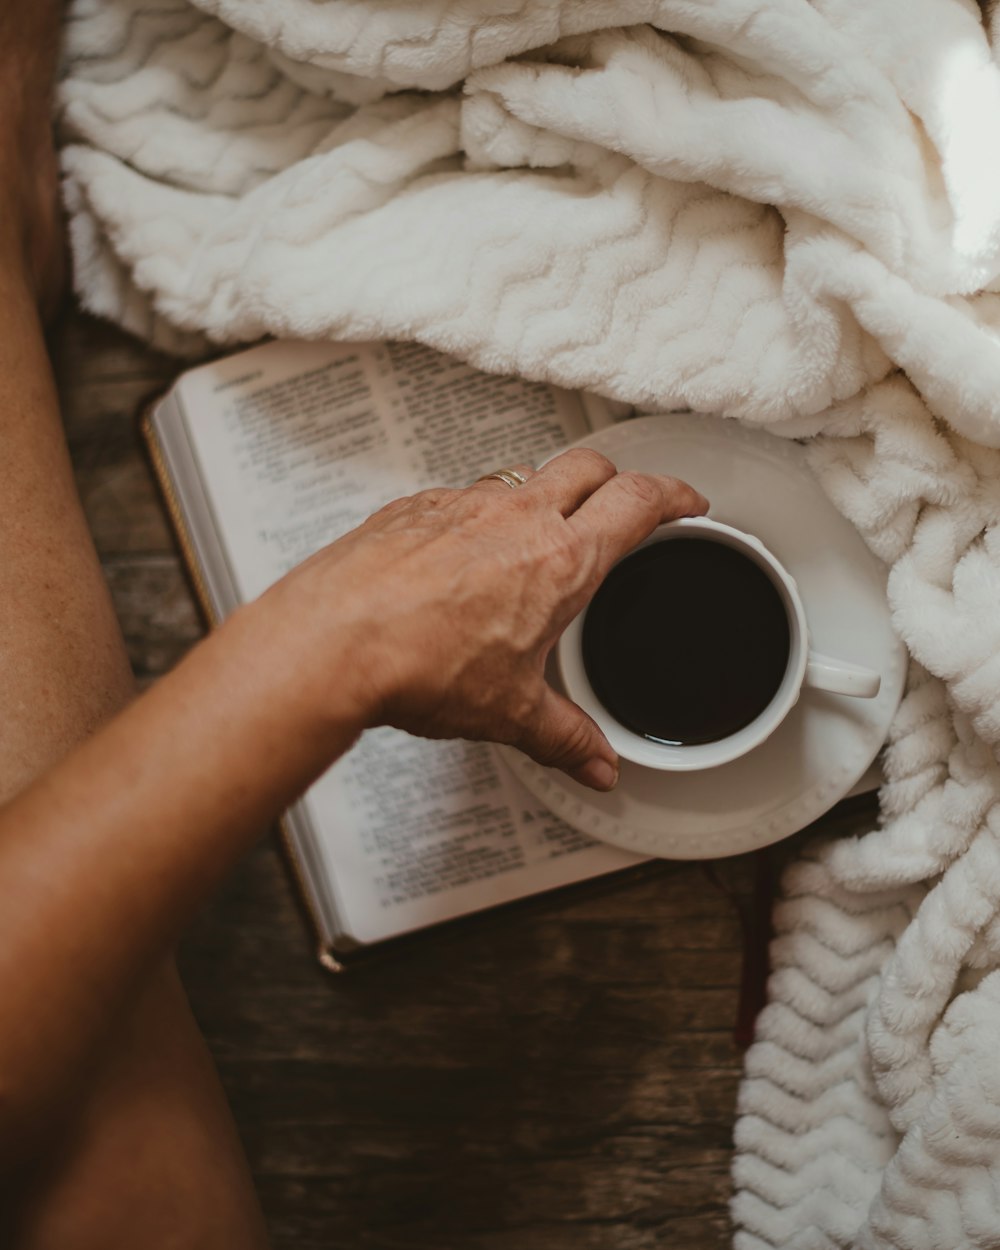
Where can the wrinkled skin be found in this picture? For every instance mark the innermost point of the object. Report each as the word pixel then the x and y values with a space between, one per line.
pixel 456 597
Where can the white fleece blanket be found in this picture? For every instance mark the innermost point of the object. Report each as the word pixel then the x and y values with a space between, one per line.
pixel 784 211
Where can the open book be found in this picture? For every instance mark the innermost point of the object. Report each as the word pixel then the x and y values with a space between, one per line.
pixel 267 455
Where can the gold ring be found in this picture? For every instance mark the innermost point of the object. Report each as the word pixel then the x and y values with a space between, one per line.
pixel 513 477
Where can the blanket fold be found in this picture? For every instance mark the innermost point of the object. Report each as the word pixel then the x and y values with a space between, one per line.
pixel 782 211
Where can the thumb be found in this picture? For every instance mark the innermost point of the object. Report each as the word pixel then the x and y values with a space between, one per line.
pixel 564 736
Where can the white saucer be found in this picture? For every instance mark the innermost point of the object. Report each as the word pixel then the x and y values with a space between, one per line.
pixel 761 484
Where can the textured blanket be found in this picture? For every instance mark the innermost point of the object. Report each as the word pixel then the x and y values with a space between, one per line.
pixel 784 211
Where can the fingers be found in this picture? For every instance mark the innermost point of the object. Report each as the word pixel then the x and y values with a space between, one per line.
pixel 563 736
pixel 564 482
pixel 627 509
pixel 567 480
pixel 489 483
pixel 613 510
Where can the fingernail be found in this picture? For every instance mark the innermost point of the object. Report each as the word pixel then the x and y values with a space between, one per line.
pixel 598 774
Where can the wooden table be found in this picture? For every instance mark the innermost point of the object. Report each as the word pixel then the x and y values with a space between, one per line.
pixel 560 1076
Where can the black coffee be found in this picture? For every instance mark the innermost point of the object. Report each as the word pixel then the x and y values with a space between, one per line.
pixel 686 641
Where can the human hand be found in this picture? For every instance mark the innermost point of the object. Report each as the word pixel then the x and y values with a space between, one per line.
pixel 453 599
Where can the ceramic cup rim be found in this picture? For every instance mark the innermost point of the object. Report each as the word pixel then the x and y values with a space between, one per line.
pixel 631 746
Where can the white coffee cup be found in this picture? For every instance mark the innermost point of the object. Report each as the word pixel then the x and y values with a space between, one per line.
pixel 805 667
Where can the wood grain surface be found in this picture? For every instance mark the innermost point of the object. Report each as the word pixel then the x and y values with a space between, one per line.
pixel 556 1076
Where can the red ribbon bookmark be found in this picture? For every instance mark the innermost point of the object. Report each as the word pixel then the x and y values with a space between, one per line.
pixel 754 915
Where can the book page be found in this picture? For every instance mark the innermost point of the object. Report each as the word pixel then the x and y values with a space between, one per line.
pixel 296 444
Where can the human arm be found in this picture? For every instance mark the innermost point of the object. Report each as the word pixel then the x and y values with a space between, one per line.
pixel 435 616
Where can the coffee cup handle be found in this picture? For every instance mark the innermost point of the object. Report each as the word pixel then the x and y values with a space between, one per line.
pixel 823 672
